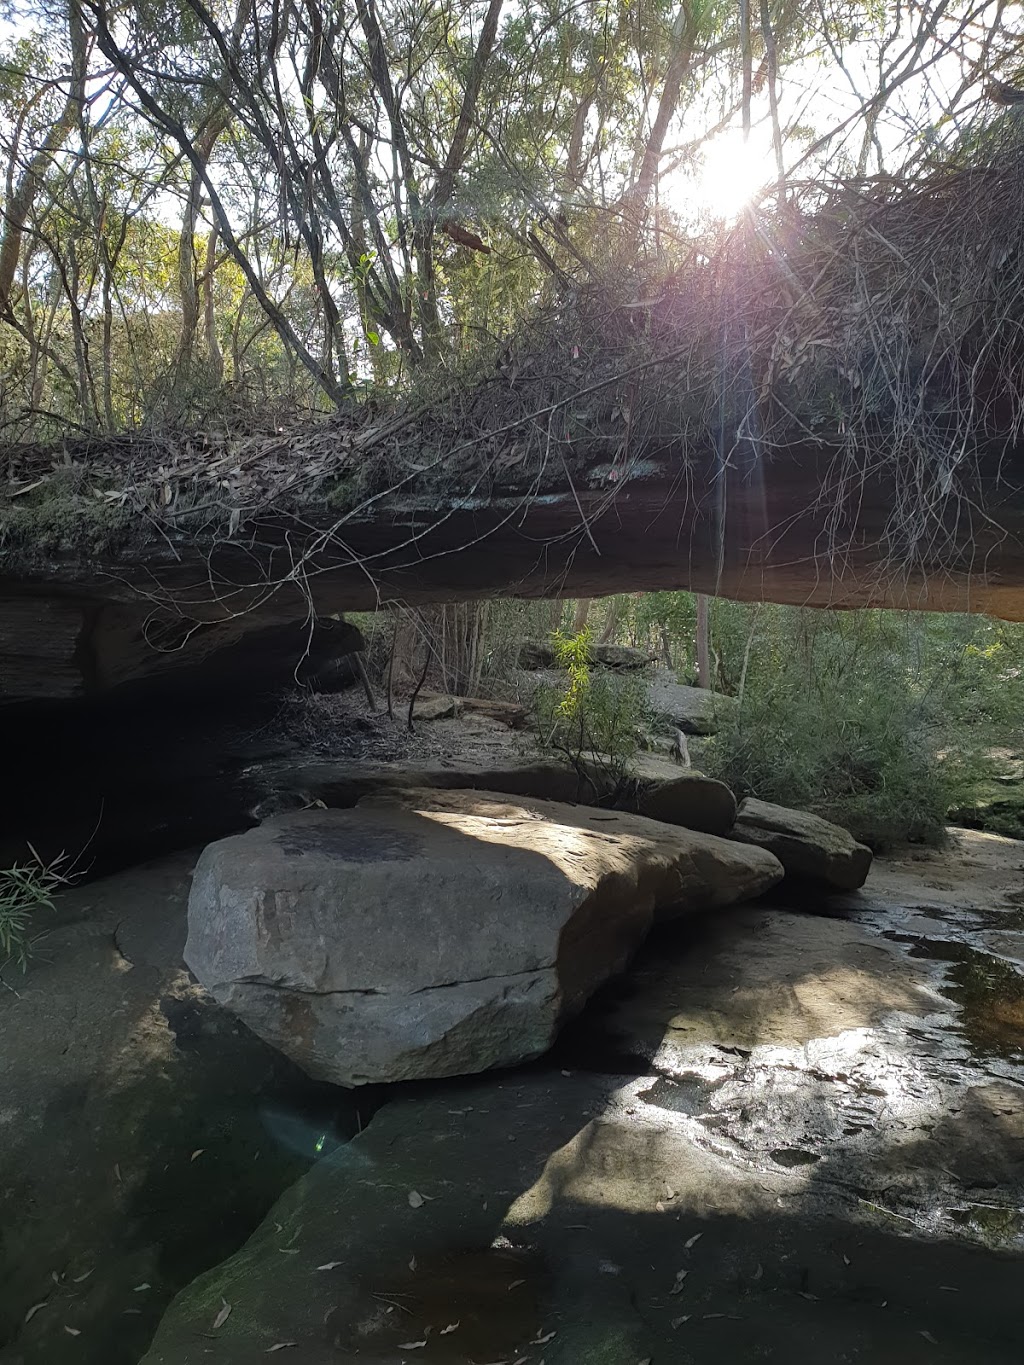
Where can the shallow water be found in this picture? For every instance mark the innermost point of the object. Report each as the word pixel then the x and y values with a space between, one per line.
pixel 823 1094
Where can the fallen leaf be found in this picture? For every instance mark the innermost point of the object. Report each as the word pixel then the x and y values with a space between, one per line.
pixel 72 1331
pixel 677 1288
pixel 33 1311
pixel 515 1284
pixel 678 1322
pixel 846 1260
pixel 197 1153
pixel 412 1345
pixel 669 1192
pixel 329 1265
pixel 141 1288
pixel 450 1328
pixel 928 1337
pixel 222 1316
pixel 759 1272
pixel 659 1207
pixel 288 1251
pixel 543 1341
pixel 416 1200
pixel 692 1241
pixel 280 1346
pixel 80 1278
pixel 412 1263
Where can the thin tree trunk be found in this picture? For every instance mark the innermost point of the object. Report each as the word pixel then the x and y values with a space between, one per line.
pixel 22 194
pixel 772 53
pixel 747 57
pixel 582 615
pixel 214 354
pixel 678 65
pixel 611 621
pixel 703 652
pixel 666 647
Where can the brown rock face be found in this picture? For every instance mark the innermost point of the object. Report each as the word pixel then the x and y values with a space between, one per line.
pixel 769 528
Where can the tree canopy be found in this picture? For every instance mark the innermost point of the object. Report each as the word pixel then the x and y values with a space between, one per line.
pixel 230 211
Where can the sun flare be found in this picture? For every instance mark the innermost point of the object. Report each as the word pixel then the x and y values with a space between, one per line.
pixel 732 171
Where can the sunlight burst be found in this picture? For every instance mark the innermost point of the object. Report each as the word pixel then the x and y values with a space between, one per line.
pixel 732 172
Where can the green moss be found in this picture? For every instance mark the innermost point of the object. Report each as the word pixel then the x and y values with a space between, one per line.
pixel 346 491
pixel 62 515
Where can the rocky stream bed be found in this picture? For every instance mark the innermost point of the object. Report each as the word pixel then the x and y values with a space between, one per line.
pixel 794 1128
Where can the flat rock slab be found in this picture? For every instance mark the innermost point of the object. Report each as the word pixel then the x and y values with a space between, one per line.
pixel 433 933
pixel 694 710
pixel 344 784
pixel 663 790
pixel 699 1213
pixel 809 848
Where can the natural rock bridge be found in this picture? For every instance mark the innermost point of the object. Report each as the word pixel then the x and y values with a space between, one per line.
pixel 755 529
pixel 827 413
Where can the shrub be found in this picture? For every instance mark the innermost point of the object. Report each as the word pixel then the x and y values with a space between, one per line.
pixel 872 719
pixel 596 719
pixel 24 889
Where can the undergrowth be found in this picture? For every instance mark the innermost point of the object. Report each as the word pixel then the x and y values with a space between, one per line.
pixel 25 889
pixel 881 721
pixel 595 719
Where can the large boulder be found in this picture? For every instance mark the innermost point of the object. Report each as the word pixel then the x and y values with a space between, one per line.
pixel 438 933
pixel 663 790
pixel 809 848
pixel 617 656
pixel 536 655
pixel 689 799
pixel 694 710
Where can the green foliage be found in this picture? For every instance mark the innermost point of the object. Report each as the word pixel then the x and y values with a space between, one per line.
pixel 881 721
pixel 25 889
pixel 892 723
pixel 596 718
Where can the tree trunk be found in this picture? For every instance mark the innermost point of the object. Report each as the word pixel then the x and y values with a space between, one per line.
pixel 703 652
pixel 21 196
pixel 214 354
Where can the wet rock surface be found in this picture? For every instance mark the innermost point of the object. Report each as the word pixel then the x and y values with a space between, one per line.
pixel 144 1132
pixel 780 1136
pixel 433 933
